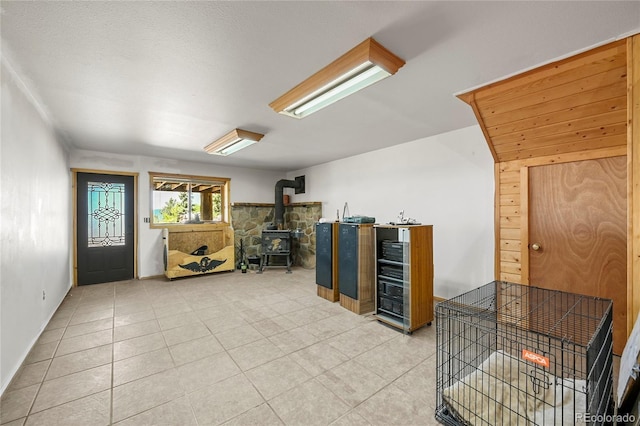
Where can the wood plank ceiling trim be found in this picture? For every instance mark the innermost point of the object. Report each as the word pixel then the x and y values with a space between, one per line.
pixel 576 104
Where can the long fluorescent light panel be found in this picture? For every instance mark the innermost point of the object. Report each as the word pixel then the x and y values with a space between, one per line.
pixel 233 141
pixel 360 67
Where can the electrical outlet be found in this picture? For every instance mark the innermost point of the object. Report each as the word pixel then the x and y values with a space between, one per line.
pixel 147 220
pixel 44 295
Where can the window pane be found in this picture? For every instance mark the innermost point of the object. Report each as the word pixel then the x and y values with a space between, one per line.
pixel 169 206
pixel 105 214
pixel 176 200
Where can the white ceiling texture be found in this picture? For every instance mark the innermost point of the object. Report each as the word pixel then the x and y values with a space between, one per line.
pixel 164 79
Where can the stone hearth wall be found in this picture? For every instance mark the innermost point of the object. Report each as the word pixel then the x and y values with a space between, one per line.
pixel 249 219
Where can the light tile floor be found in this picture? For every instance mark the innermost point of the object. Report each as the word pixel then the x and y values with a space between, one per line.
pixel 229 348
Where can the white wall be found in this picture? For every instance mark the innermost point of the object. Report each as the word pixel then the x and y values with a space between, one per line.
pixel 247 185
pixel 35 200
pixel 446 181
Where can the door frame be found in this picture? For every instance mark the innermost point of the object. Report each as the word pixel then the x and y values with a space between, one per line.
pixel 74 189
pixel 523 167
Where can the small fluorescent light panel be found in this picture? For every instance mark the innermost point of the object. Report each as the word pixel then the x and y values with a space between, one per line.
pixel 360 67
pixel 233 141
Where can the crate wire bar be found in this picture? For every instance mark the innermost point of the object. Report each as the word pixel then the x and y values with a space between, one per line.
pixel 509 354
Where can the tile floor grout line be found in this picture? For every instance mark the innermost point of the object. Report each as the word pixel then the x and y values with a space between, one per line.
pixel 266 401
pixel 190 294
pixel 35 397
pixel 350 408
pixel 113 355
pixel 43 380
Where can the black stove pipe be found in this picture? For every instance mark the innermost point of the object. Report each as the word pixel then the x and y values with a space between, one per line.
pixel 298 185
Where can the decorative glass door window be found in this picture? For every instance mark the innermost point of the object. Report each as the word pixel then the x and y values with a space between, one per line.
pixel 106 214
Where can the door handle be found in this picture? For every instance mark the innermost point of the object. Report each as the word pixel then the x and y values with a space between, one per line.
pixel 535 247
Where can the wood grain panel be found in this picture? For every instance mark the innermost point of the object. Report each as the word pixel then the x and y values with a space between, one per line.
pixel 633 291
pixel 578 216
pixel 421 275
pixel 524 229
pixel 509 188
pixel 616 140
pixel 496 219
pixel 564 116
pixel 187 242
pixel 509 177
pixel 328 293
pixel 576 135
pixel 509 234
pixel 616 59
pixel 569 157
pixel 367 268
pixel 510 245
pixel 573 63
pixel 612 91
pixel 510 268
pixel 510 222
pixel 512 278
pixel 578 86
pixel 510 256
pixel 509 211
pixel 510 166
pixel 615 117
pixel 509 200
pixel 478 115
pixel 366 273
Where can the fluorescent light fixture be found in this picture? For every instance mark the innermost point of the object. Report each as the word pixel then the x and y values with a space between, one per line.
pixel 233 141
pixel 360 67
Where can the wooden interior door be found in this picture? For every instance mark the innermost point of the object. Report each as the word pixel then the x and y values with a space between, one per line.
pixel 578 232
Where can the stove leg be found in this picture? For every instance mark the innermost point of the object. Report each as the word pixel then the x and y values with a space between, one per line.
pixel 263 262
pixel 288 264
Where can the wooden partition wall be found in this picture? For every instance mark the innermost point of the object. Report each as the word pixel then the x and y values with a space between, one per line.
pixel 580 108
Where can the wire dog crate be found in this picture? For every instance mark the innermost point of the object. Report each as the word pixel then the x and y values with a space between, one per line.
pixel 509 354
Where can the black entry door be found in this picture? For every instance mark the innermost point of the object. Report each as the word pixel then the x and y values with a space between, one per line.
pixel 105 228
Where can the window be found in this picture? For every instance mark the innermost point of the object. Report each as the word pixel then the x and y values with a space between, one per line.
pixel 182 199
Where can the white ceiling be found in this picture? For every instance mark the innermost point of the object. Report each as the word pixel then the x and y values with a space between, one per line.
pixel 165 79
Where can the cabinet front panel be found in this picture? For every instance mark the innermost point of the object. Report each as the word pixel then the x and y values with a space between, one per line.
pixel 324 263
pixel 348 260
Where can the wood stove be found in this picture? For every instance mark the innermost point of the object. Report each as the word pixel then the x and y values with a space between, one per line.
pixel 275 243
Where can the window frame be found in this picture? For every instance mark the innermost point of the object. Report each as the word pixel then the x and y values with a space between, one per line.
pixel 225 204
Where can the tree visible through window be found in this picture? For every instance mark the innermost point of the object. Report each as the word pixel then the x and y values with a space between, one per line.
pixel 178 199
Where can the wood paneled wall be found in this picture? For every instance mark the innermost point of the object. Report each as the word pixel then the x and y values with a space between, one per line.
pixel 573 105
pixel 512 209
pixel 633 170
pixel 579 108
pixel 574 109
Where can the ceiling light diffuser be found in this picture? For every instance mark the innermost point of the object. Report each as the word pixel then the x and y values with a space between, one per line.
pixel 360 67
pixel 233 141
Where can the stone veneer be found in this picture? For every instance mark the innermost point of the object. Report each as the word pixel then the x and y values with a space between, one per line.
pixel 249 219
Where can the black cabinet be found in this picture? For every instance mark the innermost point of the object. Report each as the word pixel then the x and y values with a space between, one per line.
pixel 324 254
pixel 348 260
